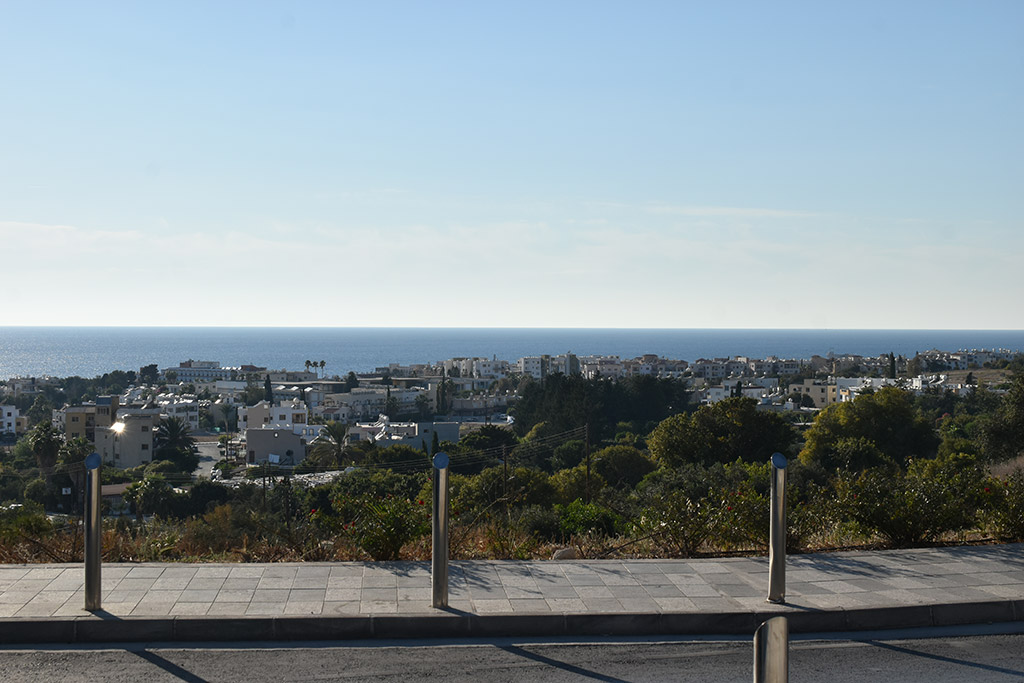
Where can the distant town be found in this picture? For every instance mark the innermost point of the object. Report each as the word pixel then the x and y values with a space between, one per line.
pixel 277 414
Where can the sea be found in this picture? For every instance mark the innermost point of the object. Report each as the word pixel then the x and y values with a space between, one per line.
pixel 91 351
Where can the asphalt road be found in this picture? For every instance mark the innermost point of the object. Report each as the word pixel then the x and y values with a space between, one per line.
pixel 871 657
pixel 208 457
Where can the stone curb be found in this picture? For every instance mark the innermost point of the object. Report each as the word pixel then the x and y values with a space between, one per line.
pixel 455 624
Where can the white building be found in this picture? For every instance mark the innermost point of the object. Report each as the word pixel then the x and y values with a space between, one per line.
pixel 8 419
pixel 384 432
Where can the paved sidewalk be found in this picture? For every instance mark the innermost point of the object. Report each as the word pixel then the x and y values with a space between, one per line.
pixel 829 591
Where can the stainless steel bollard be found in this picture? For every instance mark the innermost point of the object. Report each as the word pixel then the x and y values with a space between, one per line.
pixel 439 530
pixel 771 651
pixel 777 535
pixel 93 534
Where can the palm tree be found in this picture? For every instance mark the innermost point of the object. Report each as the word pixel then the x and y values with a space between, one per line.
pixel 323 364
pixel 45 444
pixel 328 448
pixel 308 364
pixel 173 436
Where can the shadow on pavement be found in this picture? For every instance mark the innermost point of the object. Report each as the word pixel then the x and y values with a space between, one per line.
pixel 515 650
pixel 940 658
pixel 169 667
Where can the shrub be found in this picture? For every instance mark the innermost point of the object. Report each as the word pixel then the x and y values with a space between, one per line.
pixel 1004 506
pixel 931 498
pixel 581 519
pixel 541 523
pixel 384 525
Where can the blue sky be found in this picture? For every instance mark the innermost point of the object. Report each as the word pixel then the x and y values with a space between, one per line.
pixel 534 164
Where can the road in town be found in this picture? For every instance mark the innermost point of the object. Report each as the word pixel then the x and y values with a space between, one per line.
pixel 858 657
pixel 209 454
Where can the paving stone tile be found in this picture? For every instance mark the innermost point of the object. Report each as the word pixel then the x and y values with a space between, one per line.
pixel 179 572
pixel 135 584
pixel 44 573
pixel 9 609
pixel 719 604
pixel 342 594
pixel 227 609
pixel 566 604
pixel 680 604
pixel 414 594
pixel 306 595
pixel 687 579
pixel 338 571
pixel 30 585
pixel 247 584
pixel 603 605
pixel 201 583
pixel 34 609
pixel 531 605
pixel 594 592
pixel 664 591
pixel 173 583
pixel 152 609
pixel 234 596
pixel 310 572
pixel 379 594
pixel 161 596
pixel 415 606
pixel 273 571
pixel 378 607
pixel 736 590
pixel 345 581
pixel 215 572
pixel 270 595
pixel 204 595
pixel 380 582
pixel 588 579
pixel 303 608
pixel 264 609
pixel 838 586
pixel 492 606
pixel 341 607
pixel 144 573
pixel 699 590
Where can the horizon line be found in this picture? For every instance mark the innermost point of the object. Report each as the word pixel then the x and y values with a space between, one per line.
pixel 518 327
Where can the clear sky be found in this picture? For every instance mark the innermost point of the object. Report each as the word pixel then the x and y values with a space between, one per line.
pixel 513 164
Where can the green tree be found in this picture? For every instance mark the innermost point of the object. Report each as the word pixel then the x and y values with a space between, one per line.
pixel 732 429
pixel 268 390
pixel 46 444
pixel 328 448
pixel 149 374
pixel 351 381
pixel 41 410
pixel 423 411
pixel 174 442
pixel 1003 432
pixel 886 418
pixel 622 465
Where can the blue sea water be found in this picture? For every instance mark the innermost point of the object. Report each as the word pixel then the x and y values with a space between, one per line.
pixel 91 351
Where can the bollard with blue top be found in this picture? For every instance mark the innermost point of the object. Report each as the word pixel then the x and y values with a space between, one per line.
pixel 439 529
pixel 93 533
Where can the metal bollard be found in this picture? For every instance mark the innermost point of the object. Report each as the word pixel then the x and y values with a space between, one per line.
pixel 777 535
pixel 93 534
pixel 439 531
pixel 771 651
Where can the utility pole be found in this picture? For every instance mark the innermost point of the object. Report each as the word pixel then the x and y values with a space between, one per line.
pixel 586 451
pixel 504 478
